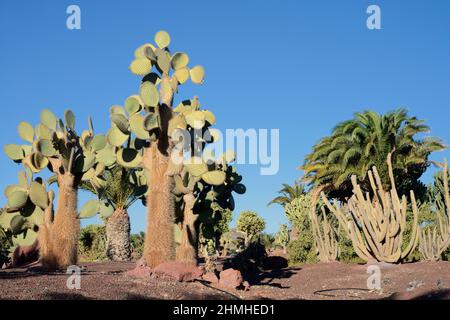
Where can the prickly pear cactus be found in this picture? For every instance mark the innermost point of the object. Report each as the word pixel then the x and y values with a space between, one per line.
pixel 146 132
pixel 54 144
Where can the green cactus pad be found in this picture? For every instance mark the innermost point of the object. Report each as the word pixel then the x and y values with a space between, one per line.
pixel 239 188
pixel 151 122
pixel 46 147
pixel 106 210
pixel 196 119
pixel 117 110
pixel 98 142
pixel 26 131
pixel 17 199
pixel 69 118
pixel 89 209
pixel 137 126
pixel 179 60
pixel 209 117
pixel 197 74
pixel 129 158
pixel 23 179
pixel 25 239
pixel 141 67
pixel 182 75
pixel 85 161
pixel 18 224
pixel 37 162
pixel 43 132
pixel 38 195
pixel 162 61
pixel 117 137
pixel 177 122
pixel 140 52
pixel 12 188
pixel 149 94
pixel 162 39
pixel 133 104
pixel 48 119
pixel 121 122
pixel 196 166
pixel 14 152
pixel 215 178
pixel 106 156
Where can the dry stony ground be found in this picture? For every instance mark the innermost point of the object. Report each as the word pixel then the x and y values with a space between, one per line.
pixel 423 280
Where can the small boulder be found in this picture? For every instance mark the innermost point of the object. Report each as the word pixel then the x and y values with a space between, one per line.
pixel 141 270
pixel 230 278
pixel 210 277
pixel 246 285
pixel 179 271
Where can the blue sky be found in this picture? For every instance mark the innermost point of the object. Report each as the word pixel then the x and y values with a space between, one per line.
pixel 300 66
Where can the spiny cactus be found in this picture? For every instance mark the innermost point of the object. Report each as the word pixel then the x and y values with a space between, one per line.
pixel 376 224
pixel 54 144
pixel 435 240
pixel 145 132
pixel 325 237
pixel 29 204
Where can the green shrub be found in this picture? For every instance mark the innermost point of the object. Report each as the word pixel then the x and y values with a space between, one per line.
pixel 92 245
pixel 301 250
pixel 137 244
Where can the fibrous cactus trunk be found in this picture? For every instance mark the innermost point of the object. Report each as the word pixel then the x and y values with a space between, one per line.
pixel 376 225
pixel 118 247
pixel 58 237
pixel 159 240
pixel 188 249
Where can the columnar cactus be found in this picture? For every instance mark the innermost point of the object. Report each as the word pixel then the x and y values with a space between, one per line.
pixel 324 234
pixel 146 132
pixel 376 224
pixel 54 144
pixel 435 240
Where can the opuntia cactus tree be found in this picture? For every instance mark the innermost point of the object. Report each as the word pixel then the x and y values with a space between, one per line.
pixel 146 133
pixel 54 144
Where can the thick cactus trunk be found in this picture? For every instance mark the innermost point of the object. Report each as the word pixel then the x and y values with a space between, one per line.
pixel 118 246
pixel 188 249
pixel 159 239
pixel 59 240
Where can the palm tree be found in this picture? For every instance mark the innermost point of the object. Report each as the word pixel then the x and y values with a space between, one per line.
pixel 358 144
pixel 121 189
pixel 289 193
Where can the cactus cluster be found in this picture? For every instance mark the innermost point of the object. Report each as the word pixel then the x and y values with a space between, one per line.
pixel 325 236
pixel 375 224
pixel 29 203
pixel 146 131
pixel 435 240
pixel 54 144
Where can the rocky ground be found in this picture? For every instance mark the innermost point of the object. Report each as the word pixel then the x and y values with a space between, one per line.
pixel 424 280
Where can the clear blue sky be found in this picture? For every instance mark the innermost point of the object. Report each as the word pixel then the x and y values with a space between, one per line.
pixel 300 66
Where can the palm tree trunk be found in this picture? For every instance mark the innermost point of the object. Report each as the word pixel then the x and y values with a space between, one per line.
pixel 59 241
pixel 188 249
pixel 118 246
